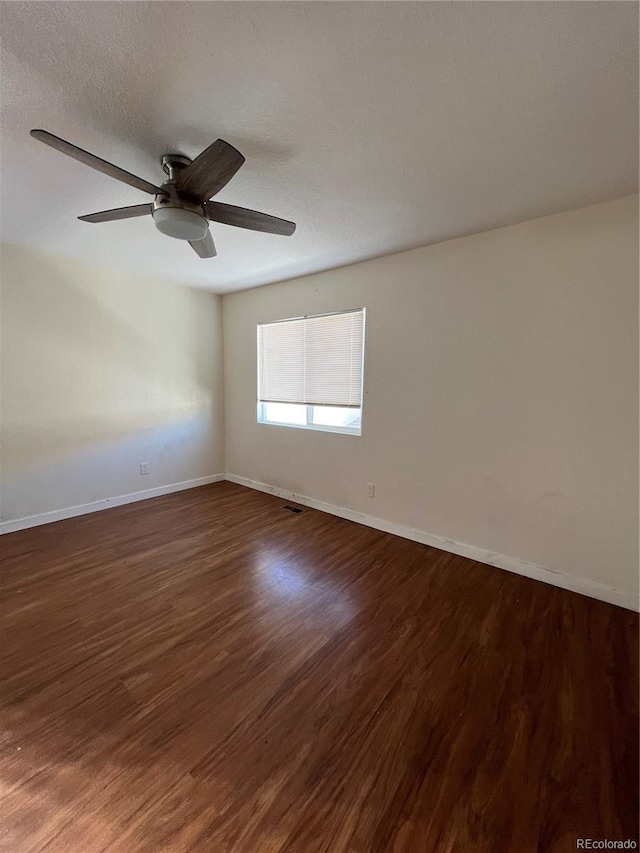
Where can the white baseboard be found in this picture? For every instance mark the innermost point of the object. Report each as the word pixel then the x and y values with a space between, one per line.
pixel 107 503
pixel 520 567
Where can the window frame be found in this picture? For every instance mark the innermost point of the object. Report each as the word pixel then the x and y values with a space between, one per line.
pixel 309 425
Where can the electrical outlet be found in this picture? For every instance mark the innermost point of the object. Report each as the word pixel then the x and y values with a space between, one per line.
pixel 144 468
pixel 371 490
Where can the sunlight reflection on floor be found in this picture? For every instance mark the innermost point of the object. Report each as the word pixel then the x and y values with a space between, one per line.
pixel 283 579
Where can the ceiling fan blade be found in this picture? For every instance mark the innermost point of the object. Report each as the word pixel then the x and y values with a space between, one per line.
pixel 242 217
pixel 117 213
pixel 210 171
pixel 205 248
pixel 95 162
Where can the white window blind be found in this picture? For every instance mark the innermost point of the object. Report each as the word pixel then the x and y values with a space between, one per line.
pixel 313 360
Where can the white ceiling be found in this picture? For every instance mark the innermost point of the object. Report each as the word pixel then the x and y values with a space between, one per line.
pixel 377 127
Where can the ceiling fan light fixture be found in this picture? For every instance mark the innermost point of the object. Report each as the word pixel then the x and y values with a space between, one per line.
pixel 181 224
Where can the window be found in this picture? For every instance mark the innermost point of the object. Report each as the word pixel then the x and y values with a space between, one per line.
pixel 310 372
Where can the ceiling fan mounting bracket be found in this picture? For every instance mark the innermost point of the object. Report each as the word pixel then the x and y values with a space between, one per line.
pixel 173 163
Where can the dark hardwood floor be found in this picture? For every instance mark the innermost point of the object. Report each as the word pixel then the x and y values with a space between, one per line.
pixel 208 672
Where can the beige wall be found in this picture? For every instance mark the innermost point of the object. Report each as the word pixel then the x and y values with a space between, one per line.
pixel 501 392
pixel 102 371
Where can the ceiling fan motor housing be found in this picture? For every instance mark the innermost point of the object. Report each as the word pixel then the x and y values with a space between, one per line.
pixel 173 214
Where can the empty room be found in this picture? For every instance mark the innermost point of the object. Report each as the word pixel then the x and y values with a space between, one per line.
pixel 319 427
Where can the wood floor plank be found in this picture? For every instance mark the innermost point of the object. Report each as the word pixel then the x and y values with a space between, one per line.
pixel 207 672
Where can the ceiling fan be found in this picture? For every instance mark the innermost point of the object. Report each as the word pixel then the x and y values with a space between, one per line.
pixel 181 207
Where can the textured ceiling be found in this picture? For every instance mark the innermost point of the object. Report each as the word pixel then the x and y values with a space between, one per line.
pixel 377 127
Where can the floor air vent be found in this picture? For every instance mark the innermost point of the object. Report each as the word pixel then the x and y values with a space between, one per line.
pixel 294 509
